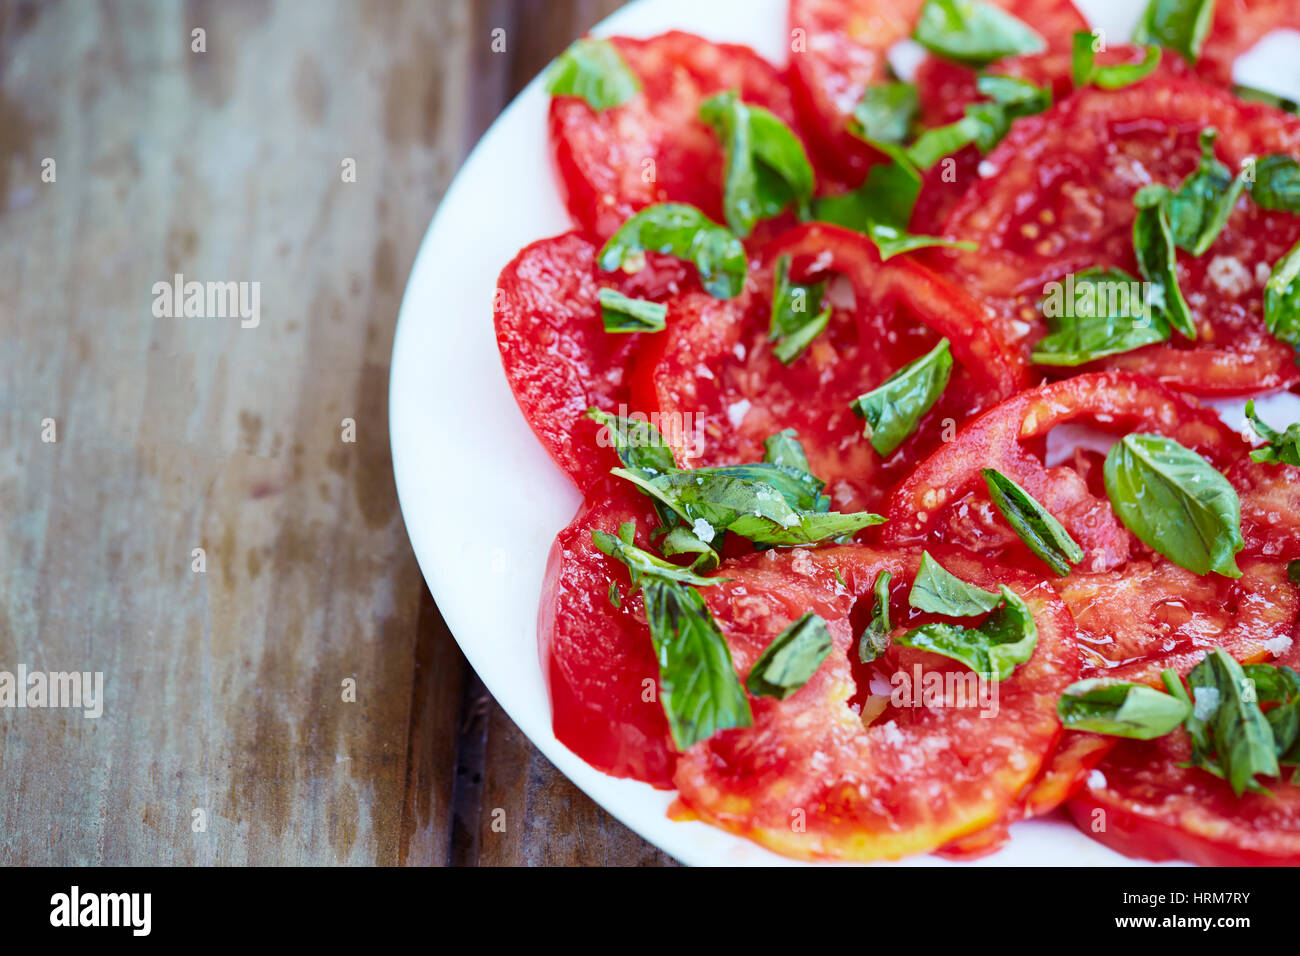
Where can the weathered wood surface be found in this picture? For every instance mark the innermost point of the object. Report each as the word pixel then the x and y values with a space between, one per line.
pixel 224 687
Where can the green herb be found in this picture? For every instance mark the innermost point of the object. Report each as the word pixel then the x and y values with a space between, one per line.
pixel 1120 709
pixel 1006 638
pixel 985 123
pixel 1179 25
pixel 893 409
pixel 1086 71
pixel 797 315
pixel 681 540
pixel 1040 532
pixel 623 314
pixel 973 32
pixel 791 659
pixel 1153 243
pixel 1230 735
pixel 1176 502
pixel 887 112
pixel 1283 448
pixel 939 591
pixel 1200 208
pixel 679 230
pixel 638 443
pixel 698 686
pixel 614 599
pixel 784 450
pixel 594 70
pixel 875 636
pixel 1293 572
pixel 767 167
pixel 1282 299
pixel 1109 316
pixel 641 562
pixel 1276 183
pixel 1284 103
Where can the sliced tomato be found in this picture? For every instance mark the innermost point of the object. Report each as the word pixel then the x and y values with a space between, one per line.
pixel 1237 26
pixel 720 370
pixel 655 148
pixel 598 660
pixel 840 48
pixel 1056 197
pixel 558 358
pixel 1141 803
pixel 809 779
pixel 1270 507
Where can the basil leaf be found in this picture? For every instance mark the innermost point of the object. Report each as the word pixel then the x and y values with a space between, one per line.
pixel 801 489
pixel 681 540
pixel 893 409
pixel 1120 709
pixel 784 450
pixel 623 314
pixel 1176 502
pixel 973 32
pixel 638 443
pixel 679 230
pixel 1007 638
pixel 939 591
pixel 1200 208
pixel 1153 242
pixel 1040 532
pixel 791 659
pixel 1283 448
pixel 887 112
pixel 642 563
pixel 875 636
pixel 1093 314
pixel 698 686
pixel 1293 572
pixel 594 70
pixel 1272 684
pixel 1085 70
pixel 1277 183
pixel 1284 103
pixel 797 316
pixel 1242 736
pixel 1282 299
pixel 985 123
pixel 767 166
pixel 1179 25
pixel 934 144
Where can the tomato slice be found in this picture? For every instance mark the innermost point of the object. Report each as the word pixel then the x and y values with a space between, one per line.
pixel 1142 804
pixel 655 148
pixel 1237 26
pixel 720 370
pixel 1056 197
pixel 557 356
pixel 810 780
pixel 840 48
pixel 1270 507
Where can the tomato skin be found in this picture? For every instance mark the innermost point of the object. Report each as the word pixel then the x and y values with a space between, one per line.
pixel 1270 507
pixel 655 148
pixel 1237 26
pixel 857 787
pixel 1155 810
pixel 1081 162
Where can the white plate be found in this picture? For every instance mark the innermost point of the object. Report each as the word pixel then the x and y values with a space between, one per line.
pixel 455 428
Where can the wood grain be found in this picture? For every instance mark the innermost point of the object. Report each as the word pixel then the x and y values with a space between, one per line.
pixel 224 686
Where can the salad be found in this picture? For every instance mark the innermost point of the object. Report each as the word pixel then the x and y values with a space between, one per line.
pixel 837 579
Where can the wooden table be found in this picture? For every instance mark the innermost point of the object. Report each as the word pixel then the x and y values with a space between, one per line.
pixel 226 736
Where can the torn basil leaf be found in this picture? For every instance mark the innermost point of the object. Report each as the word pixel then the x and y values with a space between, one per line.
pixel 642 563
pixel 638 443
pixel 797 313
pixel 1293 572
pixel 887 112
pixel 985 122
pixel 1176 502
pixel 1276 183
pixel 1241 736
pixel 1254 95
pixel 1086 72
pixel 1006 638
pixel 1120 709
pixel 594 70
pixel 698 686
pixel 1153 243
pixel 1282 448
pixel 681 540
pixel 1041 533
pixel 1096 313
pixel 1178 25
pixel 1282 299
pixel 791 659
pixel 973 33
pixel 874 640
pixel 939 591
pixel 893 409
pixel 1200 208
pixel 623 314
pixel 784 450
pixel 682 231
pixel 767 166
